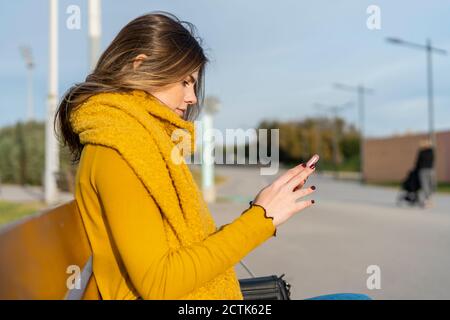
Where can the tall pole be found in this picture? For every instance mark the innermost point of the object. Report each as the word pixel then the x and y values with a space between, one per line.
pixel 30 109
pixel 334 111
pixel 208 185
pixel 335 142
pixel 431 133
pixel 26 53
pixel 317 133
pixel 207 162
pixel 94 31
pixel 51 144
pixel 429 53
pixel 361 91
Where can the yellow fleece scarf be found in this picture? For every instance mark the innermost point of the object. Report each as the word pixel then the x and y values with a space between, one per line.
pixel 140 128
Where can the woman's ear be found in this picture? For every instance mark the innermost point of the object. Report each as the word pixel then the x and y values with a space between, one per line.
pixel 138 60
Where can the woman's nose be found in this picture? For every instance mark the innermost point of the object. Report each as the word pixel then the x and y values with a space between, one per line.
pixel 191 98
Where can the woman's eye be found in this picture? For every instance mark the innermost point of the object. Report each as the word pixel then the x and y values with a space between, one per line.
pixel 185 83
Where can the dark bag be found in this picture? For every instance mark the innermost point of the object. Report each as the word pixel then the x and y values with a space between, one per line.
pixel 265 288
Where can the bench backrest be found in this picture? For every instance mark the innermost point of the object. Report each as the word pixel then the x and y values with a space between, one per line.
pixel 39 257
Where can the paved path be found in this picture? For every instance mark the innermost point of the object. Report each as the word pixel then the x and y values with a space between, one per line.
pixel 17 193
pixel 328 248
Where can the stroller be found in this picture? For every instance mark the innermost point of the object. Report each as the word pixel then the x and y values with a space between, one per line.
pixel 410 189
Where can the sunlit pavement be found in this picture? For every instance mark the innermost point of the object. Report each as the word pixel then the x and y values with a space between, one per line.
pixel 17 193
pixel 328 248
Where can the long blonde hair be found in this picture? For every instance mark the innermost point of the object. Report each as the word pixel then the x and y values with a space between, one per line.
pixel 173 52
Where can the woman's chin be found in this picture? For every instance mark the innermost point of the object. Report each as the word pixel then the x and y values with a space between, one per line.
pixel 180 112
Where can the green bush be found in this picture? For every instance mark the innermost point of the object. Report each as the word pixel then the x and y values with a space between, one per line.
pixel 299 140
pixel 22 155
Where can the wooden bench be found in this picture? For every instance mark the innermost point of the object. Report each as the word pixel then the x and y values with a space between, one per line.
pixel 40 256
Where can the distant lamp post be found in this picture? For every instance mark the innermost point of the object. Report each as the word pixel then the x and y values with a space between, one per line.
pixel 361 92
pixel 26 54
pixel 334 110
pixel 212 105
pixel 429 54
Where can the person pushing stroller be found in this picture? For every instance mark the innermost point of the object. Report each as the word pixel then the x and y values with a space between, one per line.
pixel 420 183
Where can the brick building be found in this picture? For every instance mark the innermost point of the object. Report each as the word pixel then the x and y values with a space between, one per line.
pixel 390 159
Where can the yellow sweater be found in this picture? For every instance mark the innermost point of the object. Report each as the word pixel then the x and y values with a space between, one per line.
pixel 139 247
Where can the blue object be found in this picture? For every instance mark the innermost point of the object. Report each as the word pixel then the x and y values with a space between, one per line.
pixel 342 296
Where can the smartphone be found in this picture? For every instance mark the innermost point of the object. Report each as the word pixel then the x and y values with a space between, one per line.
pixel 313 160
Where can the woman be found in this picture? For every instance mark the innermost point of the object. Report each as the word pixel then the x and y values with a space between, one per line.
pixel 151 233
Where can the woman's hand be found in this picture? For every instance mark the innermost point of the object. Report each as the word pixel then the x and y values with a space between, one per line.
pixel 279 199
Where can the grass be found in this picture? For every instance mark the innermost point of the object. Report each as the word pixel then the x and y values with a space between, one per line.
pixel 197 175
pixel 443 187
pixel 350 165
pixel 12 211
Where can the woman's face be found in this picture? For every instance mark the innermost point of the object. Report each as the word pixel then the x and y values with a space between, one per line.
pixel 179 96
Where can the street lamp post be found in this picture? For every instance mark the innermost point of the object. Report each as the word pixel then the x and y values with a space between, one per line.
pixel 26 53
pixel 361 91
pixel 429 53
pixel 334 109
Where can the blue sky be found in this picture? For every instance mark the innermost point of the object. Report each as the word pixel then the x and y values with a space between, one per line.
pixel 269 59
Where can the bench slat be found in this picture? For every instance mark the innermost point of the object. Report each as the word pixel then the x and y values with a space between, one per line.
pixel 36 252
